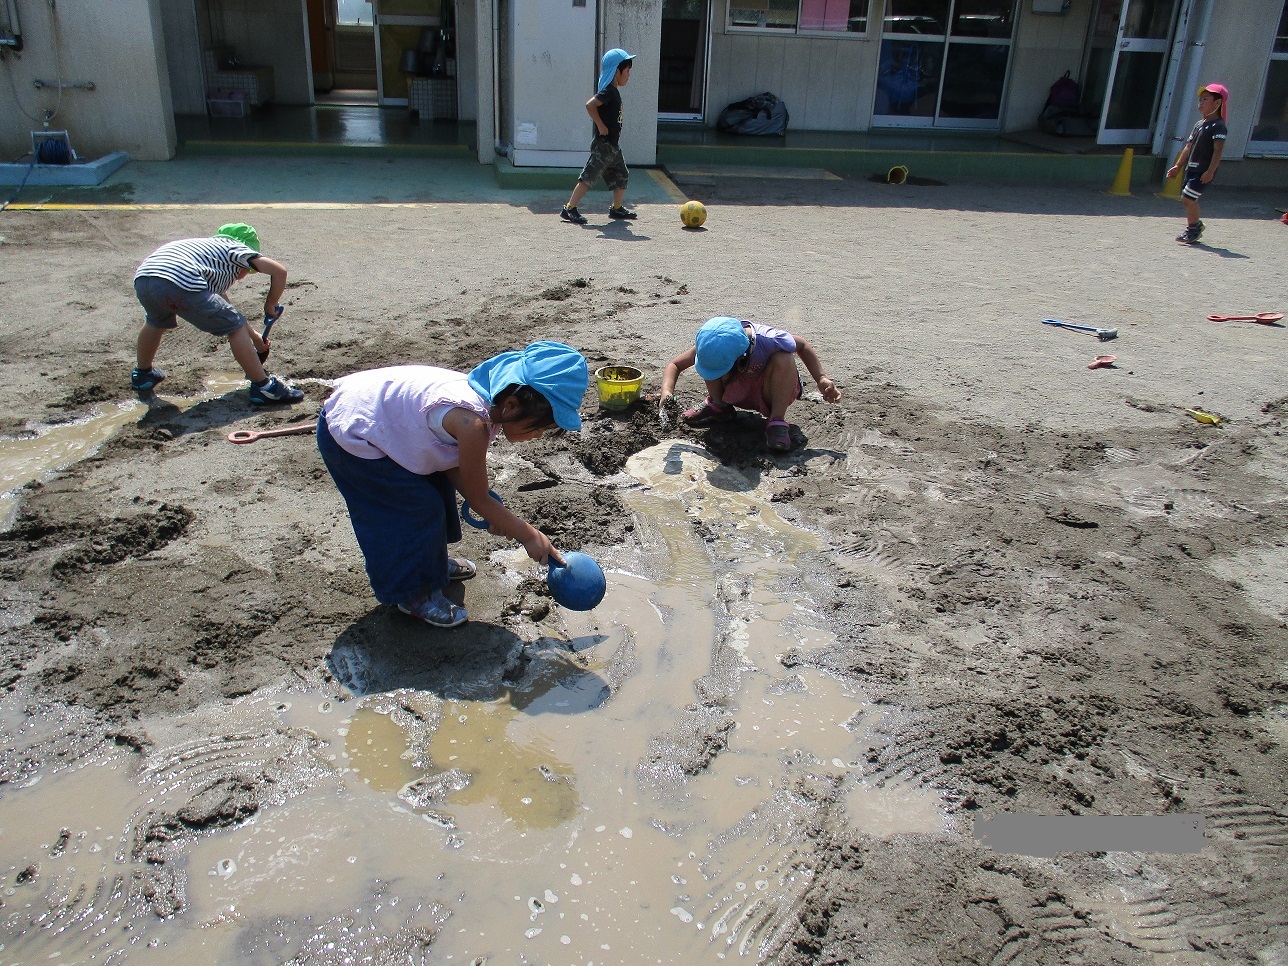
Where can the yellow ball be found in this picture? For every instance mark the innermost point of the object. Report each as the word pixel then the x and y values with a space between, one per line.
pixel 693 214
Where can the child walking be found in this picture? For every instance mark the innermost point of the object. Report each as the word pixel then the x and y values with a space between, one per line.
pixel 606 160
pixel 188 279
pixel 1201 156
pixel 400 442
pixel 747 365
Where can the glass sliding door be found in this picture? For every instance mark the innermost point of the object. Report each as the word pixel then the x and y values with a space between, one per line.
pixel 1126 58
pixel 943 63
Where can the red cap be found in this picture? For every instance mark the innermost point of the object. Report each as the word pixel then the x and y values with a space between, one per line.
pixel 1221 91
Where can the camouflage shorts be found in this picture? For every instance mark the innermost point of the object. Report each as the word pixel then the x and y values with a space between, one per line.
pixel 606 161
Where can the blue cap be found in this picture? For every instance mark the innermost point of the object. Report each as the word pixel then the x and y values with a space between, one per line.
pixel 608 65
pixel 557 371
pixel 721 341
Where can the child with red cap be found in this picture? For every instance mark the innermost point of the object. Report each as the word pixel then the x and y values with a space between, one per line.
pixel 748 365
pixel 1201 156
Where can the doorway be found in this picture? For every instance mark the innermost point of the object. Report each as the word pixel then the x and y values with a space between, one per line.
pixel 1125 64
pixel 350 46
pixel 944 63
pixel 682 88
pixel 411 41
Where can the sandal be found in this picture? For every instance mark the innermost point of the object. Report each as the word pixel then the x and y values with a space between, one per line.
pixel 436 610
pixel 458 568
pixel 709 412
pixel 777 436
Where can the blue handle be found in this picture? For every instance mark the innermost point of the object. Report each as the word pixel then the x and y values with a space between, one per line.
pixel 1070 325
pixel 270 319
pixel 477 522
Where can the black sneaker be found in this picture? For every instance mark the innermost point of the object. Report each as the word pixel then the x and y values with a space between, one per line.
pixel 620 211
pixel 1191 234
pixel 572 215
pixel 144 379
pixel 274 393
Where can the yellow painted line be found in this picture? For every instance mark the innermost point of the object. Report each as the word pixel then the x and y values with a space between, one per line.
pixel 225 205
pixel 741 171
pixel 668 186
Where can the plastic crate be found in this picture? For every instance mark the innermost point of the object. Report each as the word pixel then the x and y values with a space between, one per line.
pixel 227 108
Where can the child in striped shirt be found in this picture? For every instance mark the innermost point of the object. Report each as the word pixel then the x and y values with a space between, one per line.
pixel 188 279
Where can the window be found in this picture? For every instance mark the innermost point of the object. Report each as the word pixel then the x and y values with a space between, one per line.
pixel 800 16
pixel 353 12
pixel 1270 132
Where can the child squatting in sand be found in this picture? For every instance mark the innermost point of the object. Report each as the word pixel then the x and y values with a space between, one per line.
pixel 750 366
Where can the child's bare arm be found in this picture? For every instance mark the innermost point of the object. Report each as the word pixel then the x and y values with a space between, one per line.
pixel 671 373
pixel 470 479
pixel 1181 158
pixel 825 385
pixel 276 273
pixel 592 108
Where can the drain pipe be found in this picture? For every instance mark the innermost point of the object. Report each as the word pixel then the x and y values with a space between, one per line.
pixel 501 149
pixel 1184 122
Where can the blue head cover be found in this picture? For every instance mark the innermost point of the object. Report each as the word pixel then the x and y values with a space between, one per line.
pixel 721 341
pixel 557 371
pixel 608 65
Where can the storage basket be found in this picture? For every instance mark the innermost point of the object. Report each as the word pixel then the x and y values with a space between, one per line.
pixel 228 108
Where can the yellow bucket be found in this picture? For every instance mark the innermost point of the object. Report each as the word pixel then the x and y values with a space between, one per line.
pixel 619 386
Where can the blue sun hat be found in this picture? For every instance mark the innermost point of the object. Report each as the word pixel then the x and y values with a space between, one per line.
pixel 608 65
pixel 721 341
pixel 557 371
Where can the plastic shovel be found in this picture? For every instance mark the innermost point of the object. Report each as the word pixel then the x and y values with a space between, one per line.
pixel 268 324
pixel 250 435
pixel 1265 318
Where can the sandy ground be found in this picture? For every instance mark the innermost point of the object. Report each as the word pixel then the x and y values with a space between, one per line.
pixel 1070 593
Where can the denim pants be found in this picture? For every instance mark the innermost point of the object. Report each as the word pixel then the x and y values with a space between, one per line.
pixel 403 520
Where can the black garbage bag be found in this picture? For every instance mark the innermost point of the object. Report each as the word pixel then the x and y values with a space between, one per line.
pixel 761 114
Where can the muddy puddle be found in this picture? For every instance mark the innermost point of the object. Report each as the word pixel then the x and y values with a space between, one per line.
pixel 48 449
pixel 642 792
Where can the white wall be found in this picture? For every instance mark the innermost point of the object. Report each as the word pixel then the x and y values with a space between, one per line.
pixel 636 27
pixel 484 66
pixel 826 84
pixel 119 46
pixel 1237 57
pixel 183 56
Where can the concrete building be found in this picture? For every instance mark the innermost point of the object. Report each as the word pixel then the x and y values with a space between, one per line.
pixel 116 75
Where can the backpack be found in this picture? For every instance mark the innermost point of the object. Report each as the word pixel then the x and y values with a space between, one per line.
pixel 902 83
pixel 1062 116
pixel 761 114
pixel 1065 93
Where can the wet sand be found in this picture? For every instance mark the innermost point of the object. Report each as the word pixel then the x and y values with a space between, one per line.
pixel 1004 582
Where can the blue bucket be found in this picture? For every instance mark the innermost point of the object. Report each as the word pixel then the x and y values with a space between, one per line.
pixel 579 584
